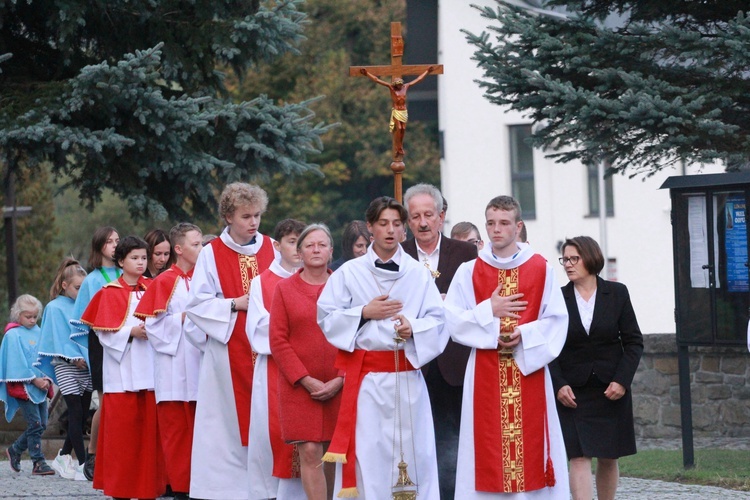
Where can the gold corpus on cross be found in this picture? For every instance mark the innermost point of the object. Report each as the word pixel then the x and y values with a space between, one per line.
pixel 396 70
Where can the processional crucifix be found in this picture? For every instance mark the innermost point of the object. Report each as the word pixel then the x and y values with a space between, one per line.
pixel 398 90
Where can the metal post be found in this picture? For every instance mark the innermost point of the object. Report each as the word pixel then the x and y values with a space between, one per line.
pixel 10 234
pixel 686 406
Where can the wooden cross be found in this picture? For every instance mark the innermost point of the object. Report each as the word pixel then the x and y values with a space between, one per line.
pixel 396 70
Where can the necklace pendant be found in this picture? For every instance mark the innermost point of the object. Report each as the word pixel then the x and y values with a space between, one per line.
pixel 435 274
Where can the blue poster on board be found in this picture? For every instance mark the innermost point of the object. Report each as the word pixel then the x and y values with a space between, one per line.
pixel 736 244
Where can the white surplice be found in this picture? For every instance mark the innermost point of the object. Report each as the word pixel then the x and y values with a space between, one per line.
pixel 219 461
pixel 261 482
pixel 340 306
pixel 176 361
pixel 541 342
pixel 128 365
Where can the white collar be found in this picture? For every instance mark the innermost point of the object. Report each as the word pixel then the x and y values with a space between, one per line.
pixel 523 254
pixel 241 249
pixel 437 247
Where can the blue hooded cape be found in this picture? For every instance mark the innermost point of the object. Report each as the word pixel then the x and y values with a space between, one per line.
pixel 56 339
pixel 18 363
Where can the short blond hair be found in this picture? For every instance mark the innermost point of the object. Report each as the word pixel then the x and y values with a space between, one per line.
pixel 239 194
pixel 25 303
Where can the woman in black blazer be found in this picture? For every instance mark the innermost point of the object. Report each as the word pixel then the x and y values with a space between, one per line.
pixel 592 375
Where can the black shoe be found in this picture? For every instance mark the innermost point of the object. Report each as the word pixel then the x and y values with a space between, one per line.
pixel 41 468
pixel 14 459
pixel 88 466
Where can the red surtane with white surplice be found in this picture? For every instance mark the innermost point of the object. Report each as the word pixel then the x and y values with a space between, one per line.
pixel 176 365
pixel 129 459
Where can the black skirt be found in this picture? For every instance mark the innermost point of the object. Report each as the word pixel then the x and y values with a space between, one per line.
pixel 598 427
pixel 96 361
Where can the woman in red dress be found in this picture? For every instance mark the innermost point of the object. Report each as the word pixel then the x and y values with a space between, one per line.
pixel 310 385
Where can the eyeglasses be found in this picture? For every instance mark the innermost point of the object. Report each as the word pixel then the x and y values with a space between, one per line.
pixel 572 260
pixel 474 242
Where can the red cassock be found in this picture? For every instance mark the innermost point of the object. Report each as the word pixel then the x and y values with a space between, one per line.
pixel 176 418
pixel 129 461
pixel 300 349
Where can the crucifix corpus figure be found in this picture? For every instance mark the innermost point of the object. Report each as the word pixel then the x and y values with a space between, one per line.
pixel 398 90
pixel 399 114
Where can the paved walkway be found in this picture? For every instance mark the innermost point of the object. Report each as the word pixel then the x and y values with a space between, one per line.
pixel 24 485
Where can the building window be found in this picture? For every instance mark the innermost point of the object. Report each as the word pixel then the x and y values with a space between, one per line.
pixel 593 182
pixel 522 169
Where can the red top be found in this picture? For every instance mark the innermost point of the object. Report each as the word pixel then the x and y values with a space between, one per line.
pixel 300 349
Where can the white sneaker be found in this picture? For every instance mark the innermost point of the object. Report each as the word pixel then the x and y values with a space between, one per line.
pixel 79 476
pixel 63 464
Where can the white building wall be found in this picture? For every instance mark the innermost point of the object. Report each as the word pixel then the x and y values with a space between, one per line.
pixel 476 167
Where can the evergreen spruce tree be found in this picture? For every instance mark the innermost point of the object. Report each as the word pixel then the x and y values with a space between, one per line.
pixel 125 95
pixel 643 84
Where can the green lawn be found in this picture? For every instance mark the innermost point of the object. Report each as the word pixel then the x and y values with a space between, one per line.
pixel 724 468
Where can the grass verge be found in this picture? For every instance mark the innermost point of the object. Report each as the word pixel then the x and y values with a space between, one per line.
pixel 723 468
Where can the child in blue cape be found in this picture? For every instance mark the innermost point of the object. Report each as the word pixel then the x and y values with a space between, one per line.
pixel 23 384
pixel 65 363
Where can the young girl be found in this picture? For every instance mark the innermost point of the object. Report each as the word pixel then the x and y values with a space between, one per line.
pixel 68 366
pixel 129 458
pixel 23 385
pixel 103 271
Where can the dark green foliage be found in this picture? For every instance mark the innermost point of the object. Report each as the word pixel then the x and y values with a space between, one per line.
pixel 676 11
pixel 125 96
pixel 669 83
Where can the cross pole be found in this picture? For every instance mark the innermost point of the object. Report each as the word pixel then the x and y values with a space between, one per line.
pixel 396 70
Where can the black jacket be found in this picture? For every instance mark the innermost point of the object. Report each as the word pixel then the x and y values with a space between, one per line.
pixel 613 347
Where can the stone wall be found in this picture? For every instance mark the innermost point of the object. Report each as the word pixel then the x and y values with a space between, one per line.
pixel 719 387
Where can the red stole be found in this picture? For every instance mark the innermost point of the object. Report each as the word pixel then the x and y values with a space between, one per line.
pixel 236 271
pixel 510 409
pixel 159 294
pixel 286 463
pixel 108 309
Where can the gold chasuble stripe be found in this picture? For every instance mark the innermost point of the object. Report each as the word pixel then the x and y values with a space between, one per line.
pixel 248 270
pixel 511 405
pixel 509 414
